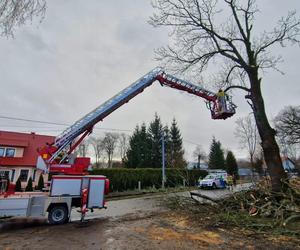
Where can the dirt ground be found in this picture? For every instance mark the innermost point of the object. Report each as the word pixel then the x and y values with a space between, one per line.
pixel 159 230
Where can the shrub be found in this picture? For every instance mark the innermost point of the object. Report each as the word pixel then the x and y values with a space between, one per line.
pixel 126 179
pixel 41 184
pixel 29 186
pixel 18 187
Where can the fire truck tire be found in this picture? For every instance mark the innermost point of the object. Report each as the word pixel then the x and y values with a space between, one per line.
pixel 58 215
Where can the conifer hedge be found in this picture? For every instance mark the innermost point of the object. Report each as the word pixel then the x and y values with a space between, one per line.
pixel 127 179
pixel 18 187
pixel 41 184
pixel 29 187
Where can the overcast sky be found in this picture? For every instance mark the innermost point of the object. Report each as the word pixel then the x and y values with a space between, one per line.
pixel 84 52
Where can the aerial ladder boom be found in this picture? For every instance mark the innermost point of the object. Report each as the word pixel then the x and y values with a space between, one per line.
pixel 56 157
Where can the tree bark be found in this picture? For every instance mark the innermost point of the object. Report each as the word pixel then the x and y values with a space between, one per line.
pixel 267 133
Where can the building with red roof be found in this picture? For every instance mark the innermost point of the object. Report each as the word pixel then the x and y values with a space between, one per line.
pixel 18 155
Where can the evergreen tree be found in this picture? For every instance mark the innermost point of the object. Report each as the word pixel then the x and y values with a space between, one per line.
pixel 176 149
pixel 231 165
pixel 29 186
pixel 41 184
pixel 132 154
pixel 145 146
pixel 138 153
pixel 155 132
pixel 18 187
pixel 216 156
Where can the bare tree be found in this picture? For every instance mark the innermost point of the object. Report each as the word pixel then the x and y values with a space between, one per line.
pixel 199 154
pixel 82 149
pixel 201 42
pixel 289 150
pixel 258 162
pixel 292 151
pixel 123 145
pixel 109 144
pixel 287 124
pixel 247 133
pixel 97 145
pixel 17 12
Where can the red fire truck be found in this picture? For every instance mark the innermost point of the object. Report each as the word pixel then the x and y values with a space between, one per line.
pixel 71 185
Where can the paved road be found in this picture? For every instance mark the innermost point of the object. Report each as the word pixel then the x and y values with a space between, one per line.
pixel 150 204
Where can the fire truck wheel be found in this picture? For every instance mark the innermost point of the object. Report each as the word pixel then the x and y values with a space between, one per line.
pixel 58 215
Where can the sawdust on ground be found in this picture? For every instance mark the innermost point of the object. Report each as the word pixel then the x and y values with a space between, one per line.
pixel 167 230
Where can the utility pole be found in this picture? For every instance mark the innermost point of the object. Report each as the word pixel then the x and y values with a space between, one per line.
pixel 199 159
pixel 163 159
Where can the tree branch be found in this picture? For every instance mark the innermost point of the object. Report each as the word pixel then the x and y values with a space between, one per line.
pixel 237 87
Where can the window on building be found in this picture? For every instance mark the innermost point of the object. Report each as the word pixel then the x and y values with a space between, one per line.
pixel 24 174
pixel 10 152
pixel 2 150
pixel 4 174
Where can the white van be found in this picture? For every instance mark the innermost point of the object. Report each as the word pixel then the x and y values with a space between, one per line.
pixel 220 173
pixel 212 181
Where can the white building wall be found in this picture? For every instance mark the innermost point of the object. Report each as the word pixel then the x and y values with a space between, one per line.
pixel 19 152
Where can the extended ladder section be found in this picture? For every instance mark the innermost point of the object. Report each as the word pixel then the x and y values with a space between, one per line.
pixel 85 125
pixel 89 120
pixel 213 101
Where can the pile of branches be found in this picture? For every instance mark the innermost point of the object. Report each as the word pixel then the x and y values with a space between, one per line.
pixel 282 207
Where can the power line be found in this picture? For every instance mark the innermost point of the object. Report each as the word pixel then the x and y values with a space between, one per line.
pixel 192 142
pixel 25 126
pixel 43 130
pixel 29 120
pixel 56 123
pixel 65 124
pixel 115 129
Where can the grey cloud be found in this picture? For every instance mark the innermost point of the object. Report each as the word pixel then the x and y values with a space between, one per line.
pixel 82 54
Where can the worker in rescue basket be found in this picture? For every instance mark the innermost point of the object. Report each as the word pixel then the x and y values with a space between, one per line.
pixel 230 182
pixel 221 100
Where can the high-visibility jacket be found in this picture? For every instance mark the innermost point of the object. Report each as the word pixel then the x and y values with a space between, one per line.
pixel 229 180
pixel 221 93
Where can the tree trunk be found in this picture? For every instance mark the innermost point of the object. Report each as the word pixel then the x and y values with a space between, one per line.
pixel 252 165
pixel 109 161
pixel 267 134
